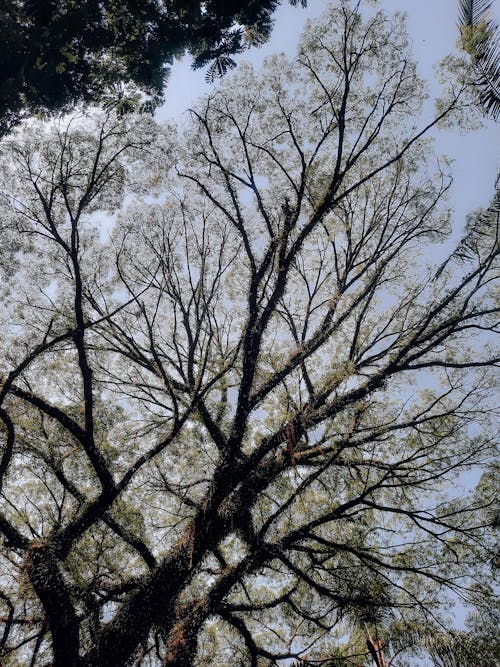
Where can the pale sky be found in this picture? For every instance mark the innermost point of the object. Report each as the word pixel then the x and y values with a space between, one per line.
pixel 433 33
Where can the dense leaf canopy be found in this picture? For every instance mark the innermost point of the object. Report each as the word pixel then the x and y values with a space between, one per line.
pixel 54 53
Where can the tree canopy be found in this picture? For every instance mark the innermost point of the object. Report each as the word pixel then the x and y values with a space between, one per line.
pixel 56 53
pixel 244 386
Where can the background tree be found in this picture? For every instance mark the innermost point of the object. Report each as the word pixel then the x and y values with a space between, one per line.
pixel 480 38
pixel 56 53
pixel 236 414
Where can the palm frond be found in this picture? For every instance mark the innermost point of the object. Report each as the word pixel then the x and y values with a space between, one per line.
pixel 480 227
pixel 453 648
pixel 481 39
pixel 219 68
pixel 473 11
pixel 218 58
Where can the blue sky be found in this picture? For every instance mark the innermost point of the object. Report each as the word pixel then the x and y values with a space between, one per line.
pixel 433 33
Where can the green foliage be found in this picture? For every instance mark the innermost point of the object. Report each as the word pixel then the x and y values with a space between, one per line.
pixel 480 38
pixel 239 409
pixel 56 53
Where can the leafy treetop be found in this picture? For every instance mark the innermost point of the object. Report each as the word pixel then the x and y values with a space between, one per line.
pixel 237 414
pixel 55 53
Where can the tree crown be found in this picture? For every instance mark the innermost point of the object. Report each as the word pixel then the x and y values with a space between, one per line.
pixel 236 411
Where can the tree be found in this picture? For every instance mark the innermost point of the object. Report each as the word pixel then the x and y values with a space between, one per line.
pixel 480 39
pixel 237 411
pixel 401 642
pixel 58 53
